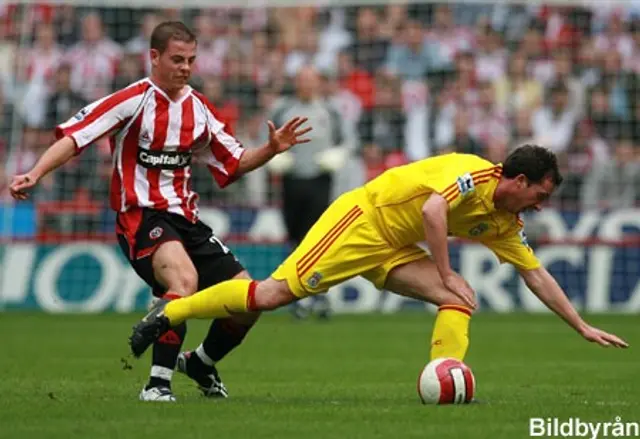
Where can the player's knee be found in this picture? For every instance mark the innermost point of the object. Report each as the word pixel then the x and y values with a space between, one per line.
pixel 452 299
pixel 184 282
pixel 272 294
pixel 189 282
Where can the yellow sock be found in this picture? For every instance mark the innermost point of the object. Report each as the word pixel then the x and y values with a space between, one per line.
pixel 220 300
pixel 450 337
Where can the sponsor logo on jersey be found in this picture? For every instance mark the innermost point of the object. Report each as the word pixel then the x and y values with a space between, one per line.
pixel 479 229
pixel 314 280
pixel 163 159
pixel 156 233
pixel 465 184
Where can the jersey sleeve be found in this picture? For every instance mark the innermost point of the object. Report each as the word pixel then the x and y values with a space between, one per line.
pixel 222 157
pixel 222 154
pixel 106 115
pixel 457 181
pixel 515 250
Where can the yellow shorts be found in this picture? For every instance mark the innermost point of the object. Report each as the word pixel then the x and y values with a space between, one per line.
pixel 342 244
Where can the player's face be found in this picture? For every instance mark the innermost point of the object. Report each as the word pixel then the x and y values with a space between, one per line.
pixel 174 65
pixel 528 195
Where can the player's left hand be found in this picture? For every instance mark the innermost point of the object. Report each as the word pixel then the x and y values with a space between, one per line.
pixel 288 135
pixel 603 338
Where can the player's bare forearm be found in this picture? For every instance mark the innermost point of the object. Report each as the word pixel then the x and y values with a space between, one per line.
pixel 545 287
pixel 254 158
pixel 434 219
pixel 55 156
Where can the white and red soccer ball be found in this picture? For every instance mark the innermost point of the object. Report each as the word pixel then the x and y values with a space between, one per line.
pixel 446 381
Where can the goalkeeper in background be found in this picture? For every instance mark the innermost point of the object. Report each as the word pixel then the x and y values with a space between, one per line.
pixel 308 173
pixel 373 231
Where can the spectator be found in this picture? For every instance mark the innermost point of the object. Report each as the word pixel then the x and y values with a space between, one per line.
pixel 491 55
pixel 38 65
pixel 488 124
pixel 384 124
pixel 415 56
pixel 615 39
pixel 585 151
pixel 139 45
pixel 532 47
pixel 518 90
pixel 304 53
pixel 447 36
pixel 616 80
pixel 239 85
pixel 614 183
pixel 358 81
pixel 369 48
pixel 606 124
pixel 553 124
pixel 129 70
pixel 210 53
pixel 254 185
pixel 227 110
pixel 63 102
pixel 463 142
pixel 564 72
pixel 93 60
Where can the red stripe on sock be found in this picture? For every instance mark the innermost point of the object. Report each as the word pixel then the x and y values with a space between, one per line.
pixel 251 297
pixel 459 308
pixel 172 296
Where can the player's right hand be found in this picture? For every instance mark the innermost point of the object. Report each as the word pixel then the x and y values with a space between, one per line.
pixel 461 288
pixel 603 338
pixel 20 184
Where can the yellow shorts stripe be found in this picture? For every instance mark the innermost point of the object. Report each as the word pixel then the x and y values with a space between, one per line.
pixel 321 240
pixel 312 256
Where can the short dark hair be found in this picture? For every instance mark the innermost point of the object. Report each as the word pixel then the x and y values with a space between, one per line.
pixel 534 162
pixel 170 30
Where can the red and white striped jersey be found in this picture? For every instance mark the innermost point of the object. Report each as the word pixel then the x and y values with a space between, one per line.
pixel 153 140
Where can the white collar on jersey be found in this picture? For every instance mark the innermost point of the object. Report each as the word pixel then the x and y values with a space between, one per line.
pixel 186 94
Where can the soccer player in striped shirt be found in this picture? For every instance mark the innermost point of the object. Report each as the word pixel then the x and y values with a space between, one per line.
pixel 373 231
pixel 157 127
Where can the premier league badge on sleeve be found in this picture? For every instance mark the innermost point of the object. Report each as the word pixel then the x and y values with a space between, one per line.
pixel 465 184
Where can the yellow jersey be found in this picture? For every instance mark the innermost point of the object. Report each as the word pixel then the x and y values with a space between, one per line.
pixel 468 183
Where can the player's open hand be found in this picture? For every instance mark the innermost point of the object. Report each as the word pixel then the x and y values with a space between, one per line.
pixel 603 338
pixel 461 288
pixel 288 135
pixel 20 184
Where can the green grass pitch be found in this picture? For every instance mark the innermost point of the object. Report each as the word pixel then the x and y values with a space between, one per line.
pixel 353 377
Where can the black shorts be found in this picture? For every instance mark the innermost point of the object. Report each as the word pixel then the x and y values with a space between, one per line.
pixel 141 231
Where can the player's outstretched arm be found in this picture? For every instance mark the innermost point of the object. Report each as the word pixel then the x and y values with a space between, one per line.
pixel 434 219
pixel 280 140
pixel 55 156
pixel 545 287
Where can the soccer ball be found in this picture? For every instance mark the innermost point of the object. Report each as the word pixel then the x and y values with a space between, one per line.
pixel 446 381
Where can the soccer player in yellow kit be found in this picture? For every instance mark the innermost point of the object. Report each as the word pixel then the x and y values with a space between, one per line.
pixel 373 231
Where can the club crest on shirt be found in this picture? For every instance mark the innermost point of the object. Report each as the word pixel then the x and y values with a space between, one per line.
pixel 479 229
pixel 465 184
pixel 314 280
pixel 156 233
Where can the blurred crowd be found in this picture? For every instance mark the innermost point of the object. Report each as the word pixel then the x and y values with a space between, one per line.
pixel 408 82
